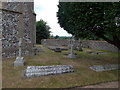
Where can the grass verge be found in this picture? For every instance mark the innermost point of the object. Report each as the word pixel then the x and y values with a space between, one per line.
pixel 83 75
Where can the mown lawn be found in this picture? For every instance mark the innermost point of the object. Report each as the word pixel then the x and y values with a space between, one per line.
pixel 83 75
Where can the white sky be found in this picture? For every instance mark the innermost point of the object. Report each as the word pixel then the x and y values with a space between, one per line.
pixel 46 10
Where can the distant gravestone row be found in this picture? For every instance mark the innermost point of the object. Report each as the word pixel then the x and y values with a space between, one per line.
pixel 99 68
pixel 71 46
pixel 36 71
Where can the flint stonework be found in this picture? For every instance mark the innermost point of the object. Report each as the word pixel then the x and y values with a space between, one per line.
pixel 36 71
pixel 18 21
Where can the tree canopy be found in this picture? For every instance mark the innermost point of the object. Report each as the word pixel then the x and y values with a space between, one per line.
pixel 91 19
pixel 42 31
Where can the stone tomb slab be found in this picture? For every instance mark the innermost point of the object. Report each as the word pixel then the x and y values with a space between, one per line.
pixel 62 48
pixel 100 68
pixel 69 53
pixel 36 71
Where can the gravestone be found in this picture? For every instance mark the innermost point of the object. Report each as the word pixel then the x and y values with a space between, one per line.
pixel 69 43
pixel 19 60
pixel 57 50
pixel 36 71
pixel 37 50
pixel 45 42
pixel 99 68
pixel 72 55
pixel 79 46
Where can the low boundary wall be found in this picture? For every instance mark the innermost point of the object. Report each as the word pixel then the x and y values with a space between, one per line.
pixel 100 45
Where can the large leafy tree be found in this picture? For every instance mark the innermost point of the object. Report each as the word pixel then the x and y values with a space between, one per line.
pixel 42 31
pixel 88 19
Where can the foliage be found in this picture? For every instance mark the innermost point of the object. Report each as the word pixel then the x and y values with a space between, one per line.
pixel 56 37
pixel 91 19
pixel 60 37
pixel 42 31
pixel 64 37
pixel 51 37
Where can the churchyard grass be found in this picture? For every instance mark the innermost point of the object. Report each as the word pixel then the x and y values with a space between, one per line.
pixel 83 75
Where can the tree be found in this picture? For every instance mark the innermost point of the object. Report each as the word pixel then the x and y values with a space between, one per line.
pixel 51 37
pixel 42 31
pixel 88 19
pixel 56 37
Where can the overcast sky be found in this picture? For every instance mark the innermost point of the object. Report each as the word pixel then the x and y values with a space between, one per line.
pixel 46 10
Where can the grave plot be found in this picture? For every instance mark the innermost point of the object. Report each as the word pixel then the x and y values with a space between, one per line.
pixel 58 49
pixel 95 52
pixel 36 71
pixel 68 53
pixel 99 68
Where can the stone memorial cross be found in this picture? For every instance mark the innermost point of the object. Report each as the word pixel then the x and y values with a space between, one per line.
pixel 79 47
pixel 71 55
pixel 20 47
pixel 19 60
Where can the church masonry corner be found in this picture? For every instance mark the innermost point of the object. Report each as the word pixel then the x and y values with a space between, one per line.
pixel 18 22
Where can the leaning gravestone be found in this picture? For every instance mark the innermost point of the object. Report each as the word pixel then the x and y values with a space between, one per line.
pixel 36 71
pixel 99 68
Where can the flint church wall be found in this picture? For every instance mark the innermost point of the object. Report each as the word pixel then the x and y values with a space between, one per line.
pixel 18 21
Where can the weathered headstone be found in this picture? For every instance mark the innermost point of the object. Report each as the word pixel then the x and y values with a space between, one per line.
pixel 79 46
pixel 72 55
pixel 45 42
pixel 36 71
pixel 19 60
pixel 57 50
pixel 69 43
